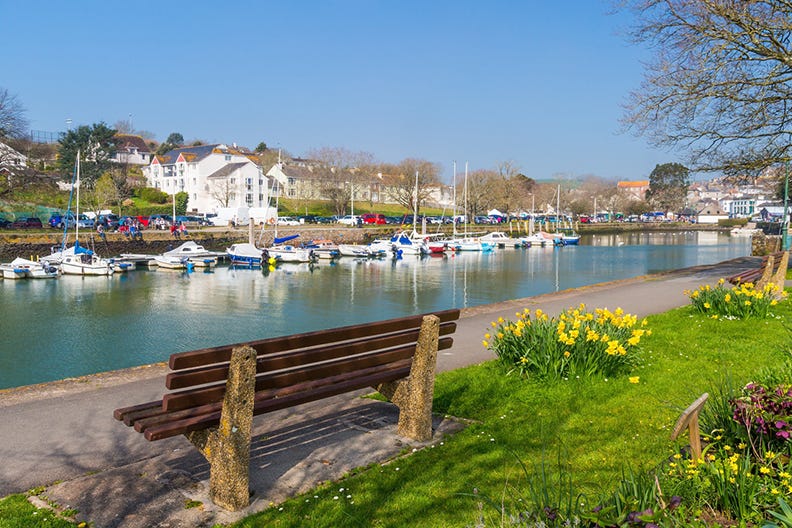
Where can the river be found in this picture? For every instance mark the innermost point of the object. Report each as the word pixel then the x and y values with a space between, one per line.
pixel 71 326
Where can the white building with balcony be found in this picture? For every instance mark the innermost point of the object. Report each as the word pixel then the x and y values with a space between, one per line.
pixel 213 176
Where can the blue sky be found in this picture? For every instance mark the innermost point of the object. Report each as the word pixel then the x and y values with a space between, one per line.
pixel 537 83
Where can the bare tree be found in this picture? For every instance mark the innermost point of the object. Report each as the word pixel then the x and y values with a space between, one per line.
pixel 720 82
pixel 13 122
pixel 223 191
pixel 342 175
pixel 402 186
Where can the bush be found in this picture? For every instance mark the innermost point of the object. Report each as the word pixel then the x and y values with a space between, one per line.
pixel 152 195
pixel 579 344
pixel 738 302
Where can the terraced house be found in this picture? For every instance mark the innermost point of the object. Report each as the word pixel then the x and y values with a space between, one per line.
pixel 213 176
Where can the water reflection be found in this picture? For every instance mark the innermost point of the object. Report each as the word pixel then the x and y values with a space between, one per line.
pixel 78 325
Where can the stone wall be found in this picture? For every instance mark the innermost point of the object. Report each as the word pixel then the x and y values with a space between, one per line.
pixel 34 245
pixel 762 244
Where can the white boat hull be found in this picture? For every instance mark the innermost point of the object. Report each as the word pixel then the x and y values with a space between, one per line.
pixel 76 265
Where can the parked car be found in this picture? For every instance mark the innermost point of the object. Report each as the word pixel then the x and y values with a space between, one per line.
pixel 4 222
pixel 288 220
pixel 348 220
pixel 57 220
pixel 324 220
pixel 84 221
pixel 308 219
pixel 373 218
pixel 108 221
pixel 27 223
pixel 189 220
pixel 144 220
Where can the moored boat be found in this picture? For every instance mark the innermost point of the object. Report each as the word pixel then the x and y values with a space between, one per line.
pixel 245 253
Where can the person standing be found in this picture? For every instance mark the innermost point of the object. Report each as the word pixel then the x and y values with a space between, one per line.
pixel 101 231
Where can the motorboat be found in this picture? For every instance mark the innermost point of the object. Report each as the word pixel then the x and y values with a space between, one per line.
pixel 34 269
pixel 323 249
pixel 288 253
pixel 403 244
pixel 501 239
pixel 171 262
pixel 190 249
pixel 245 253
pixel 543 239
pixel 472 244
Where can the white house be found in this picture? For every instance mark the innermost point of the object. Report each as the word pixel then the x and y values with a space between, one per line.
pixel 710 214
pixel 131 149
pixel 11 160
pixel 213 176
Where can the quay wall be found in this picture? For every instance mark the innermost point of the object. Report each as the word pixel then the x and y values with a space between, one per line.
pixel 21 244
pixel 18 244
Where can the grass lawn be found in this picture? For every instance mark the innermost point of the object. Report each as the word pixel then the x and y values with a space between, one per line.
pixel 591 431
pixel 594 429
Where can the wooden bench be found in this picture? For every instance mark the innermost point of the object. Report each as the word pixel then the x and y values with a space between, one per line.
pixel 215 392
pixel 772 270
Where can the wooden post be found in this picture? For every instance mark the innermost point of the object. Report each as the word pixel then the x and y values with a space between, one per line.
pixel 689 420
pixel 227 447
pixel 767 273
pixel 779 279
pixel 414 394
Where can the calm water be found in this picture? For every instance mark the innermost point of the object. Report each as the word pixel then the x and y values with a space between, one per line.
pixel 52 329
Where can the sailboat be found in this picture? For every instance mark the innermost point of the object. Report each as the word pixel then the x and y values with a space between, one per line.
pixel 568 236
pixel 467 242
pixel 78 260
pixel 286 252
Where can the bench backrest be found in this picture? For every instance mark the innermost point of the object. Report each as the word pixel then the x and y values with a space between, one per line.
pixel 355 356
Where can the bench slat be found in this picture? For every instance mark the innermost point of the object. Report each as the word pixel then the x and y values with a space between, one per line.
pixel 120 414
pixel 288 359
pixel 161 416
pixel 206 356
pixel 265 403
pixel 275 380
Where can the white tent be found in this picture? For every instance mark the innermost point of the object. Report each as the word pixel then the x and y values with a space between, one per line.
pixel 494 212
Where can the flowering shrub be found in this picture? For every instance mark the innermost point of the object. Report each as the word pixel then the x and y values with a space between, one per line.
pixel 766 414
pixel 738 302
pixel 578 343
pixel 730 478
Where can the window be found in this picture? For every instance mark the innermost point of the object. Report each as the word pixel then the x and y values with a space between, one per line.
pixel 261 197
pixel 291 181
pixel 228 157
pixel 261 182
pixel 249 199
pixel 231 181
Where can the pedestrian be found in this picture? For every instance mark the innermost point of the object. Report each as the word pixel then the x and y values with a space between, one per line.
pixel 174 231
pixel 101 231
pixel 182 229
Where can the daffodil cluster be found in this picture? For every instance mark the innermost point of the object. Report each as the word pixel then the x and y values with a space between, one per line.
pixel 738 302
pixel 577 343
pixel 730 477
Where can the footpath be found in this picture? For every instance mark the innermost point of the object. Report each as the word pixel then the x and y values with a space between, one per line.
pixel 62 436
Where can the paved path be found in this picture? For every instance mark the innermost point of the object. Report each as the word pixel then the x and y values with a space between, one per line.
pixel 64 431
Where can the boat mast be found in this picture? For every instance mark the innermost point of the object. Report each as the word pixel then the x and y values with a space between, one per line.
pixel 453 218
pixel 71 195
pixel 76 216
pixel 467 219
pixel 415 204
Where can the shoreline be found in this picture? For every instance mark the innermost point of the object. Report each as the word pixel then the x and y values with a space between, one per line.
pixel 25 393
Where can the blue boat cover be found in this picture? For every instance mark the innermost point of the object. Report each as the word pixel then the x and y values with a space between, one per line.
pixel 79 250
pixel 285 239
